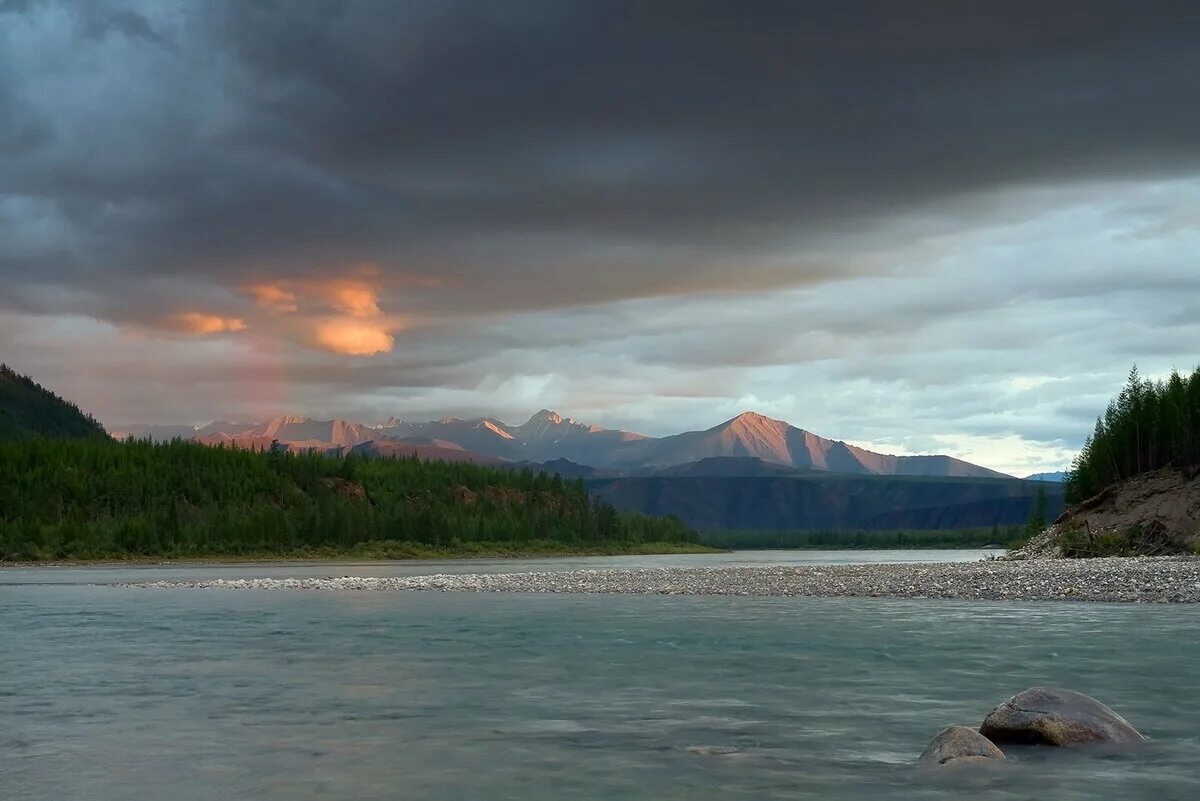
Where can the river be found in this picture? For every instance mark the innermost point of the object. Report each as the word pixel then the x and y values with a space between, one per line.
pixel 122 694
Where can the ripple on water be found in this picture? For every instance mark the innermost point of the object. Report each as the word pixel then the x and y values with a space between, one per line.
pixel 194 695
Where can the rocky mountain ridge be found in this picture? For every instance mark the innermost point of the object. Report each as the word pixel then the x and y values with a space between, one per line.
pixel 548 436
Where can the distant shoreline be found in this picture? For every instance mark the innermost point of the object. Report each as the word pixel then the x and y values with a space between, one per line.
pixel 1112 580
pixel 383 552
pixel 411 552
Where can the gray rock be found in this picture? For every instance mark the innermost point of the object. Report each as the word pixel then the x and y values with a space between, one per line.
pixel 957 745
pixel 1041 716
pixel 713 750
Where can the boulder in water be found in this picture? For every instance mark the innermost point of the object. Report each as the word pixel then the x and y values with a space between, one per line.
pixel 1042 716
pixel 958 745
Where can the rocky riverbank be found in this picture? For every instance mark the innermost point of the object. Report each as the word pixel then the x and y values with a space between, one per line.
pixel 1131 580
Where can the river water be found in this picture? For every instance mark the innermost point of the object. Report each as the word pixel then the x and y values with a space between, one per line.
pixel 115 693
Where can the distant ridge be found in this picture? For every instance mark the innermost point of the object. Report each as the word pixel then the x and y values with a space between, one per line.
pixel 1056 477
pixel 548 436
pixel 420 448
pixel 821 500
pixel 727 466
pixel 755 435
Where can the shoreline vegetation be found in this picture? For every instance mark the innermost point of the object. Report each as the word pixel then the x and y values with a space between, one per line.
pixel 999 537
pixel 101 499
pixel 384 551
pixel 393 550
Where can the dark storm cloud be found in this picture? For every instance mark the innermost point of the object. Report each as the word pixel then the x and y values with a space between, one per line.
pixel 869 218
pixel 122 21
pixel 543 152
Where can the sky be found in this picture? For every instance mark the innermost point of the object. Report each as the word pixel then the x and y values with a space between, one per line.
pixel 918 227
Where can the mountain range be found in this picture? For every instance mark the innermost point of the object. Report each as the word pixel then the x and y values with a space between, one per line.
pixel 548 437
pixel 749 472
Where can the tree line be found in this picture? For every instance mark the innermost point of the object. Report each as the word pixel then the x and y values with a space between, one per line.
pixel 95 498
pixel 836 539
pixel 1149 425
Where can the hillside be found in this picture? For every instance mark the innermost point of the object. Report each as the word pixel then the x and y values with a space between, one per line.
pixel 101 498
pixel 828 501
pixel 1155 513
pixel 29 410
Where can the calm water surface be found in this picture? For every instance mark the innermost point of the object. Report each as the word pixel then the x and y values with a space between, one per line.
pixel 424 567
pixel 116 693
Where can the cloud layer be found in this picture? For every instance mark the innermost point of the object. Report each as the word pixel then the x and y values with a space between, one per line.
pixel 947 229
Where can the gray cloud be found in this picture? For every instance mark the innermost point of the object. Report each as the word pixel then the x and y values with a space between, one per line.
pixel 648 212
pixel 662 146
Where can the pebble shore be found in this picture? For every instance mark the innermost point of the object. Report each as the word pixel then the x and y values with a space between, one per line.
pixel 1129 580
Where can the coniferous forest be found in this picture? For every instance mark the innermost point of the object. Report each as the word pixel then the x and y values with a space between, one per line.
pixel 1149 425
pixel 69 491
pixel 101 498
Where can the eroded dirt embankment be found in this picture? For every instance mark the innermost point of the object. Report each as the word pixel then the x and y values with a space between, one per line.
pixel 1156 513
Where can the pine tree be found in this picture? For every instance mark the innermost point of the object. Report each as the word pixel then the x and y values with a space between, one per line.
pixel 1037 519
pixel 1148 426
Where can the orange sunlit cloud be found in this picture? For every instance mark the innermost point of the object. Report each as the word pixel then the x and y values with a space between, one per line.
pixel 202 324
pixel 354 337
pixel 273 297
pixel 359 326
pixel 355 298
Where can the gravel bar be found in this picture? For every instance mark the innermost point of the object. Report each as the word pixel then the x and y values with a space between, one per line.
pixel 1129 580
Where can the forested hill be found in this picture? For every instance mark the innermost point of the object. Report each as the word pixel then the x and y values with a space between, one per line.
pixel 1148 426
pixel 101 498
pixel 825 501
pixel 29 410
